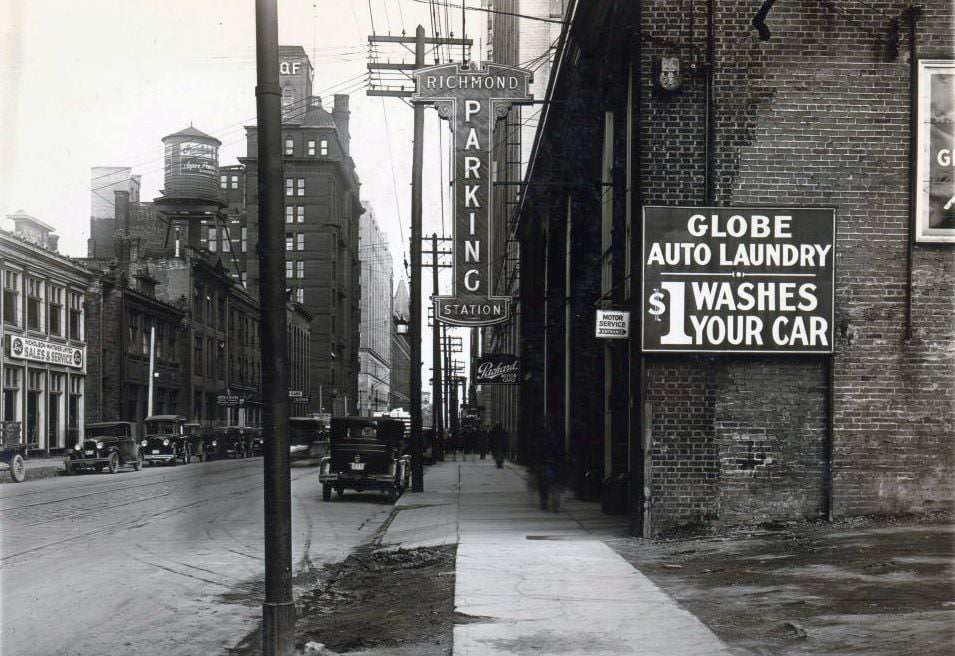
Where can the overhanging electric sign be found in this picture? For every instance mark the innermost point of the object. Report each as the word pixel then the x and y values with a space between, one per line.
pixel 473 99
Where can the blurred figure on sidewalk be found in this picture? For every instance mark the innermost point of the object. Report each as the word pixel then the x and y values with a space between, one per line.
pixel 499 444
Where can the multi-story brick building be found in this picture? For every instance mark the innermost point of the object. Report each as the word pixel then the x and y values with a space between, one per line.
pixel 43 332
pixel 657 103
pixel 322 210
pixel 374 356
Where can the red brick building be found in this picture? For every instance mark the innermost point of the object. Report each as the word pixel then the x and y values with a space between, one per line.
pixel 657 103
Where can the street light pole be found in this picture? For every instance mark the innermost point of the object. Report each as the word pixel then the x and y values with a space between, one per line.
pixel 278 610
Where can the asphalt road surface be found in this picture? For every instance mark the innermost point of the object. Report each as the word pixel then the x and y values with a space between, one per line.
pixel 163 561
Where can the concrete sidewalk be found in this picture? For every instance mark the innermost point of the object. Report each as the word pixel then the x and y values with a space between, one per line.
pixel 539 582
pixel 38 467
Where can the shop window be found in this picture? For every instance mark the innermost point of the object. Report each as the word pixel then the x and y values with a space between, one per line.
pixel 76 316
pixel 53 413
pixel 73 409
pixel 34 398
pixel 11 298
pixel 11 393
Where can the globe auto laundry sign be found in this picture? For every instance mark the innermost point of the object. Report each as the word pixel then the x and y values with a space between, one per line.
pixel 738 279
pixel 473 99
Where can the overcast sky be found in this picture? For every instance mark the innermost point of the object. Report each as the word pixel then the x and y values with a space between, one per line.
pixel 100 82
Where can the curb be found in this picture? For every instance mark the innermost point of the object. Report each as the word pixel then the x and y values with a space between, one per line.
pixel 34 474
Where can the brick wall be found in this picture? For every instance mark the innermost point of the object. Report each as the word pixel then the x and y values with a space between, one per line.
pixel 814 116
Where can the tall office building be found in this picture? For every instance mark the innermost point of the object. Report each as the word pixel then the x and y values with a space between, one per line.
pixel 374 355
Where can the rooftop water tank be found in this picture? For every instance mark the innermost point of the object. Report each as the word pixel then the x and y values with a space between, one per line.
pixel 192 166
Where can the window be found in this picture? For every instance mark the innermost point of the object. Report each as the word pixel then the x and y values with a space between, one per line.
pixel 11 393
pixel 76 316
pixel 223 182
pixel 289 241
pixel 235 181
pixel 55 311
pixel 160 340
pixel 324 147
pixel 197 354
pixel 300 295
pixel 213 239
pixel 289 266
pixel 34 303
pixel 289 214
pixel 133 321
pixel 226 243
pixel 300 269
pixel 300 239
pixel 197 303
pixel 147 334
pixel 300 214
pixel 245 239
pixel 243 279
pixel 289 186
pixel 311 147
pixel 11 298
pixel 289 146
pixel 300 186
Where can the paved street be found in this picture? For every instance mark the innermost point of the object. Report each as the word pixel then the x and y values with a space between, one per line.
pixel 164 561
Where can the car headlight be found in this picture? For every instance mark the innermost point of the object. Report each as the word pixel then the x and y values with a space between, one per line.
pixel 165 442
pixel 78 447
pixel 144 443
pixel 215 443
pixel 99 445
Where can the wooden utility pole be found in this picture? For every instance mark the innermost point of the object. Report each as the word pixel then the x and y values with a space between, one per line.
pixel 278 610
pixel 414 327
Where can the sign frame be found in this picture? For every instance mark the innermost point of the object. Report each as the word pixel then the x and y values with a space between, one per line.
pixel 739 351
pixel 627 317
pixel 510 361
pixel 24 355
pixel 928 69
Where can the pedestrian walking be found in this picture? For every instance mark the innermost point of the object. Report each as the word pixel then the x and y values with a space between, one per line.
pixel 499 443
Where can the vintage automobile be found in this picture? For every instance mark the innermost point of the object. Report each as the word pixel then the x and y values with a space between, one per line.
pixel 12 452
pixel 107 445
pixel 308 438
pixel 366 453
pixel 256 441
pixel 165 440
pixel 225 442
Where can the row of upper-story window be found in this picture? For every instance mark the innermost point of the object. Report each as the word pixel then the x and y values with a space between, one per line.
pixel 140 327
pixel 220 239
pixel 312 147
pixel 228 181
pixel 46 307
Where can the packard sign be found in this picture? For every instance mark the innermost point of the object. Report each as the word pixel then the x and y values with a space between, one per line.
pixel 738 280
pixel 473 99
pixel 38 350
pixel 497 369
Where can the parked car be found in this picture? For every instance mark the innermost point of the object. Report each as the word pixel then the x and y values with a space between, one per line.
pixel 256 441
pixel 308 438
pixel 225 442
pixel 165 440
pixel 366 453
pixel 12 452
pixel 107 445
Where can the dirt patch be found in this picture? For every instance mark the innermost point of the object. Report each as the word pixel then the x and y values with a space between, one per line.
pixel 882 586
pixel 394 601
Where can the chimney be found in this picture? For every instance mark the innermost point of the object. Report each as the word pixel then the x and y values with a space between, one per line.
pixel 121 239
pixel 340 113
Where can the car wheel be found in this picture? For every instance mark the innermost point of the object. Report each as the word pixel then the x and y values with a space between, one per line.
pixel 113 462
pixel 326 493
pixel 138 463
pixel 18 469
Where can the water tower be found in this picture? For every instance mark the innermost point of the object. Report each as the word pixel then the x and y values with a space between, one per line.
pixel 191 187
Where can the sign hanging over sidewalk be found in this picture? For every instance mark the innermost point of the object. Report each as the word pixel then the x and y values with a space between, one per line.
pixel 613 324
pixel 497 369
pixel 738 280
pixel 473 99
pixel 38 350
